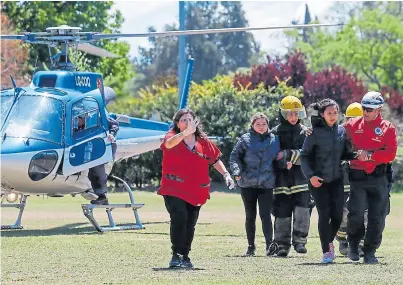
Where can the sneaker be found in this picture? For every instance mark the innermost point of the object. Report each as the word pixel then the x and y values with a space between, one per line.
pixel 327 257
pixel 343 247
pixel 283 251
pixel 353 252
pixel 370 258
pixel 175 261
pixel 272 249
pixel 101 200
pixel 331 249
pixel 186 263
pixel 251 250
pixel 300 248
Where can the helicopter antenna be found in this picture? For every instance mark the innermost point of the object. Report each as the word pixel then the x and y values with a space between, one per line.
pixel 13 82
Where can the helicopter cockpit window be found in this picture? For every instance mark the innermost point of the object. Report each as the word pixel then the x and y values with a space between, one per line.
pixel 36 117
pixel 6 102
pixel 86 117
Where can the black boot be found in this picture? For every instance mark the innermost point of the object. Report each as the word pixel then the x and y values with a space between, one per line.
pixel 101 200
pixel 369 258
pixel 300 248
pixel 353 251
pixel 283 250
pixel 251 250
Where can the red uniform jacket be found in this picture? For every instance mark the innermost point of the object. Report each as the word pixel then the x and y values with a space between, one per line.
pixel 185 172
pixel 378 136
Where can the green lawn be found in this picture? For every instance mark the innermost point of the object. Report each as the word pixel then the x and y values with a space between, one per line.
pixel 58 246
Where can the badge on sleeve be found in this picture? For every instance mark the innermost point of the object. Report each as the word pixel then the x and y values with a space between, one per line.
pixel 378 131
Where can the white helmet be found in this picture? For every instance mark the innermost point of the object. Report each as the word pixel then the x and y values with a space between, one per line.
pixel 372 100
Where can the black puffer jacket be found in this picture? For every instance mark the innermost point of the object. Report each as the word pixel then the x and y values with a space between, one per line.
pixel 252 159
pixel 291 140
pixel 323 151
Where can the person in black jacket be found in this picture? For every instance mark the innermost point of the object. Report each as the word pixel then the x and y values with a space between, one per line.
pixel 321 157
pixel 291 194
pixel 251 163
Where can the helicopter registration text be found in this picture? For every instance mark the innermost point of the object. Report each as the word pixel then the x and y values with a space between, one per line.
pixel 83 81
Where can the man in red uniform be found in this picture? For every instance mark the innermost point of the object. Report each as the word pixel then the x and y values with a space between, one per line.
pixel 376 138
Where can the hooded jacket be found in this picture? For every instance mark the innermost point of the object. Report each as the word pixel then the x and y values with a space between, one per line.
pixel 323 151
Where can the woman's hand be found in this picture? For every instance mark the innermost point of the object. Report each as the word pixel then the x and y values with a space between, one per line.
pixel 280 155
pixel 289 165
pixel 362 155
pixel 316 181
pixel 308 132
pixel 191 128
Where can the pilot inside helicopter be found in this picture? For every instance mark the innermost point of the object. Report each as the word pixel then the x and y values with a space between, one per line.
pixel 97 174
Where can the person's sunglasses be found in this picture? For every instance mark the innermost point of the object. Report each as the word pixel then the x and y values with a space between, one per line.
pixel 368 110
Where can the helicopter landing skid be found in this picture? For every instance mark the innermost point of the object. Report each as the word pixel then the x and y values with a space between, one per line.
pixel 21 207
pixel 88 210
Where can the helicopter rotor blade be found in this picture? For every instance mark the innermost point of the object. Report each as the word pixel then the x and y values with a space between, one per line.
pixel 206 31
pixel 12 37
pixel 97 51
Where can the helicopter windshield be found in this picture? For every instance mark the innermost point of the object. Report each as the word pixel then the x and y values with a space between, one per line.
pixel 36 117
pixel 6 102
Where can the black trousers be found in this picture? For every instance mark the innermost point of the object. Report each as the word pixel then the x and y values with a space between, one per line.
pixel 183 221
pixel 372 192
pixel 286 207
pixel 250 198
pixel 98 177
pixel 329 199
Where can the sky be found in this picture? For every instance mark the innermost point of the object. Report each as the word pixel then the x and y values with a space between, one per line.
pixel 139 15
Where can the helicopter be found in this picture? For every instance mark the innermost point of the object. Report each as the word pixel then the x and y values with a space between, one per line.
pixel 43 152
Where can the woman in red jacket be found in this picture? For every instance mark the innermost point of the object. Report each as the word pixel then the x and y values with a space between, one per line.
pixel 185 182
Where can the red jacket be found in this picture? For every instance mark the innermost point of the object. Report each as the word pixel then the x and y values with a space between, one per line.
pixel 185 172
pixel 378 136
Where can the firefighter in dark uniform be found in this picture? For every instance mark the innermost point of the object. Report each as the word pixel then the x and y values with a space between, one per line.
pixel 376 138
pixel 291 193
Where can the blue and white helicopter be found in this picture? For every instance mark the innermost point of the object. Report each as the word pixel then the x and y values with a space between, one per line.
pixel 42 150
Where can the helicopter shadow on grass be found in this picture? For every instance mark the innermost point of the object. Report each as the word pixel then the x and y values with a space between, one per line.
pixel 69 229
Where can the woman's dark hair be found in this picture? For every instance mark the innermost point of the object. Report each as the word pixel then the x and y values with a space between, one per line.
pixel 318 120
pixel 199 129
pixel 323 104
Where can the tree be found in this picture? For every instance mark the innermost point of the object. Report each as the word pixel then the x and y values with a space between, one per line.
pixel 370 45
pixel 292 69
pixel 335 83
pixel 14 57
pixel 36 16
pixel 214 53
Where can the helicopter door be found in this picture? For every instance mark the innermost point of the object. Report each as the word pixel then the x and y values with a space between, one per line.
pixel 89 143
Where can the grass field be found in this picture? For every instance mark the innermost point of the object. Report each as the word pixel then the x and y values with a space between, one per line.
pixel 58 246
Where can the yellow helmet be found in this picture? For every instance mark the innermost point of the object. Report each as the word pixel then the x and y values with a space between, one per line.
pixel 292 104
pixel 354 110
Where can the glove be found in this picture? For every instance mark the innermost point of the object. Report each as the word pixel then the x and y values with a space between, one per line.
pixel 229 181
